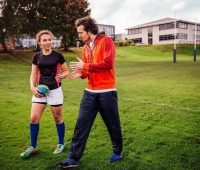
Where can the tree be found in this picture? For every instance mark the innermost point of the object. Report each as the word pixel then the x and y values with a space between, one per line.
pixel 8 22
pixel 59 16
pixel 66 13
pixel 30 16
pixel 3 35
pixel 18 17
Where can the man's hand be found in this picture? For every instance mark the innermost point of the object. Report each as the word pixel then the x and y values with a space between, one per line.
pixel 75 66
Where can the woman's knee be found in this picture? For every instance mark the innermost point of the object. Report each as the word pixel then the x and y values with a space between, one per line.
pixel 57 114
pixel 57 117
pixel 34 120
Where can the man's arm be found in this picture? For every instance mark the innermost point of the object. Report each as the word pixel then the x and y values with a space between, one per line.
pixel 106 64
pixel 108 61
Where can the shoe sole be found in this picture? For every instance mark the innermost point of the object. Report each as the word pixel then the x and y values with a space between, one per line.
pixel 116 160
pixel 70 166
pixel 67 167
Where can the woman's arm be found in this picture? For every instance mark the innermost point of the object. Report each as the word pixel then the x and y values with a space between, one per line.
pixel 65 72
pixel 33 81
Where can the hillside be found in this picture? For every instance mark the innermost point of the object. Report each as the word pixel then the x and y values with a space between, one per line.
pixel 160 52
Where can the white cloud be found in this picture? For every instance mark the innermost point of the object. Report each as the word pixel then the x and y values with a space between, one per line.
pixel 179 5
pixel 127 13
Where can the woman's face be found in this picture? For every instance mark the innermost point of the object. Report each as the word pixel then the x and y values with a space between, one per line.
pixel 45 42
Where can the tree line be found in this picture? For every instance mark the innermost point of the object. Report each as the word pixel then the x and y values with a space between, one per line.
pixel 19 17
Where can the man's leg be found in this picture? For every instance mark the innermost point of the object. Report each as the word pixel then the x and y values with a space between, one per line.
pixel 109 112
pixel 87 113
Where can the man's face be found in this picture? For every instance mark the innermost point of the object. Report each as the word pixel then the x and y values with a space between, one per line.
pixel 83 35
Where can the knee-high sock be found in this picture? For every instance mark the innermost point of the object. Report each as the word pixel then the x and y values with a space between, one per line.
pixel 61 132
pixel 34 129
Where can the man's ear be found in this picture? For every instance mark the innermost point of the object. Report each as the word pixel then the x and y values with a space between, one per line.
pixel 89 33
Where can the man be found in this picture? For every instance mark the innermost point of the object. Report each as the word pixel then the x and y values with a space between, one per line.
pixel 100 95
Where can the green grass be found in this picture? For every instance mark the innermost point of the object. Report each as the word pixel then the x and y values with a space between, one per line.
pixel 159 104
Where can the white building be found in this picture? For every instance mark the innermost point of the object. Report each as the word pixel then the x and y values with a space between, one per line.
pixel 162 32
pixel 27 42
pixel 120 36
pixel 107 29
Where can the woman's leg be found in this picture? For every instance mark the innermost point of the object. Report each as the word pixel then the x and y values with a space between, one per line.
pixel 57 114
pixel 36 113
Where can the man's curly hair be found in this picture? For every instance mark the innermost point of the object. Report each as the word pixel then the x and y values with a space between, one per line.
pixel 89 24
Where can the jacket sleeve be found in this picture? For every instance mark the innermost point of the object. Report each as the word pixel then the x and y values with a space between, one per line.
pixel 84 72
pixel 108 59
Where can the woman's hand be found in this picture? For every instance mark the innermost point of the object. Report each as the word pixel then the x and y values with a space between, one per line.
pixel 36 92
pixel 65 72
pixel 74 75
pixel 59 77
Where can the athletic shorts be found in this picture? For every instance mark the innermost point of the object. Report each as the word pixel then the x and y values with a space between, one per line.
pixel 54 98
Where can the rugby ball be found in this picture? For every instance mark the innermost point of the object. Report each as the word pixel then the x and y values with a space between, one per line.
pixel 43 89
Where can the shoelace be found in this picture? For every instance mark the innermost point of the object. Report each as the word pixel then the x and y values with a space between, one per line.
pixel 58 147
pixel 27 150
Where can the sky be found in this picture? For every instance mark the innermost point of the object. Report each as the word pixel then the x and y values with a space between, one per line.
pixel 127 13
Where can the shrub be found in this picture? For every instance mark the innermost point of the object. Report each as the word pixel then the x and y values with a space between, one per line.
pixel 120 43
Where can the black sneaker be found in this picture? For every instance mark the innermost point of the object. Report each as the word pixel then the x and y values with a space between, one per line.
pixel 68 163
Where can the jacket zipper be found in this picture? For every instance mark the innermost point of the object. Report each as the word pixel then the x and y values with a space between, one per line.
pixel 92 72
pixel 92 61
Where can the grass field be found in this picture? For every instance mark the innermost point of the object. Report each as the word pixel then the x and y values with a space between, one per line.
pixel 159 104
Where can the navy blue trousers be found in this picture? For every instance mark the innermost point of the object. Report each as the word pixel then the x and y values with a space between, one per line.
pixel 107 105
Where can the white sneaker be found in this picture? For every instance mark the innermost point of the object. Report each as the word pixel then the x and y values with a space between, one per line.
pixel 59 148
pixel 28 152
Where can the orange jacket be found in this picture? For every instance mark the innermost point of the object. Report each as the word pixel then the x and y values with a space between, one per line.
pixel 99 63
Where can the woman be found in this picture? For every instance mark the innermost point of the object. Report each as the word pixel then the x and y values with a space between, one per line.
pixel 48 68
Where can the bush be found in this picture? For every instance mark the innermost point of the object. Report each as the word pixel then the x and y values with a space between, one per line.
pixel 120 43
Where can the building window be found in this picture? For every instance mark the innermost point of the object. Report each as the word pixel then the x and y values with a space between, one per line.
pixel 194 27
pixel 150 29
pixel 166 37
pixel 181 36
pixel 166 26
pixel 107 29
pixel 135 31
pixel 197 37
pixel 182 25
pixel 137 40
pixel 171 37
pixel 198 27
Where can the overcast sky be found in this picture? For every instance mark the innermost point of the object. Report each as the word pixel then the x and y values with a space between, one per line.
pixel 128 13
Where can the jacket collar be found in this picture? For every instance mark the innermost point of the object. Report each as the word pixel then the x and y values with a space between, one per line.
pixel 98 37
